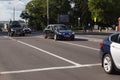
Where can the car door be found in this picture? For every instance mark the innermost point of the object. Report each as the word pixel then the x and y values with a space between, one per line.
pixel 51 31
pixel 115 49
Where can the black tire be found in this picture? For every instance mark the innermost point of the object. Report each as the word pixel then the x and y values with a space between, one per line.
pixel 72 38
pixel 23 34
pixel 108 64
pixel 45 36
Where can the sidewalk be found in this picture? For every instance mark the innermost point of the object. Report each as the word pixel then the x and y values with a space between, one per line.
pixel 95 32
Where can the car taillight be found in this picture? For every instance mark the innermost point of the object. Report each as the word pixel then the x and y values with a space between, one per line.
pixel 101 44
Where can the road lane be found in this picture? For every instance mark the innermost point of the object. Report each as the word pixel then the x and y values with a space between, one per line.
pixel 74 53
pixel 16 56
pixel 25 57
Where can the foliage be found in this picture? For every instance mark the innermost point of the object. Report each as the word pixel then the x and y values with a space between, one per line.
pixel 1 25
pixel 106 11
pixel 36 12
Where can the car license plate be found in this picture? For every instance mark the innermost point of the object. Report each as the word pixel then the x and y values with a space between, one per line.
pixel 67 36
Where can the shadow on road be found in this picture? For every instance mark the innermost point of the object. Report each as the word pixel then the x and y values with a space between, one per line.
pixel 94 33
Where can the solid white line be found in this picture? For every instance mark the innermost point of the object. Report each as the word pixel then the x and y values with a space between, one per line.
pixel 76 65
pixel 37 70
pixel 79 45
pixel 48 69
pixel 39 49
pixel 90 65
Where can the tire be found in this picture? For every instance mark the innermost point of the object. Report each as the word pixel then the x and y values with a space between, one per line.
pixel 72 38
pixel 45 36
pixel 23 34
pixel 108 64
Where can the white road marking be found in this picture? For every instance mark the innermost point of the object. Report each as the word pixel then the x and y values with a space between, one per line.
pixel 48 69
pixel 79 45
pixel 76 44
pixel 75 65
pixel 59 57
pixel 79 37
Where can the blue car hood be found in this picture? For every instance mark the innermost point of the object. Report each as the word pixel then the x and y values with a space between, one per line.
pixel 65 31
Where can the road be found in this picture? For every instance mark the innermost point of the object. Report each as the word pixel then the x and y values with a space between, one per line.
pixel 34 58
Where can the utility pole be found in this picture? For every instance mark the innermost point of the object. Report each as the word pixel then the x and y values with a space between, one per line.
pixel 47 12
pixel 14 13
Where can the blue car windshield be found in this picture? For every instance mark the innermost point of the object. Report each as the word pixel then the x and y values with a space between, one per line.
pixel 62 28
pixel 15 26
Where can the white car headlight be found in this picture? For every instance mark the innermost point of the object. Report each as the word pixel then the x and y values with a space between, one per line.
pixel 12 30
pixel 59 33
pixel 73 32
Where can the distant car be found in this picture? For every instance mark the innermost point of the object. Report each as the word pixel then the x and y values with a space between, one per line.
pixel 58 31
pixel 110 53
pixel 27 30
pixel 15 28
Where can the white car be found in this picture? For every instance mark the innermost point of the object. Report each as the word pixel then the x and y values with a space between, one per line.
pixel 110 53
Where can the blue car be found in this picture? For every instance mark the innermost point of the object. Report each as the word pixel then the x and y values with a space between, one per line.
pixel 58 31
pixel 110 53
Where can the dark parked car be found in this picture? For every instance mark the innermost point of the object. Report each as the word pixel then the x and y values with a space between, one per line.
pixel 110 53
pixel 58 31
pixel 15 28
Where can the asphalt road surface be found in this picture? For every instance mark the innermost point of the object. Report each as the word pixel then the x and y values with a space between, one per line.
pixel 34 58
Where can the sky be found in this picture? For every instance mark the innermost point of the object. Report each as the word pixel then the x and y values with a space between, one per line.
pixel 7 6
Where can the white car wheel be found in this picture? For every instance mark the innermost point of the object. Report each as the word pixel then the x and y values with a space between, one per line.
pixel 108 64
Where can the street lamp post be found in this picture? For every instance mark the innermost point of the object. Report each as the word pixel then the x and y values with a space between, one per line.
pixel 14 4
pixel 47 12
pixel 78 21
pixel 14 13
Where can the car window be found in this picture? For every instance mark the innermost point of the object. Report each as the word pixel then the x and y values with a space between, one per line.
pixel 62 28
pixel 48 27
pixel 119 39
pixel 15 26
pixel 114 38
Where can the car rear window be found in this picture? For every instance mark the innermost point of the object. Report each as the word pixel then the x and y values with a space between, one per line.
pixel 114 38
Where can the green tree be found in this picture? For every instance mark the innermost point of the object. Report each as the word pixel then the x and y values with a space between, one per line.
pixel 106 11
pixel 56 8
pixel 24 15
pixel 81 10
pixel 36 12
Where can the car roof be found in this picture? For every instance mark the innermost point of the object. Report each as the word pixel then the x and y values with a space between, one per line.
pixel 118 32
